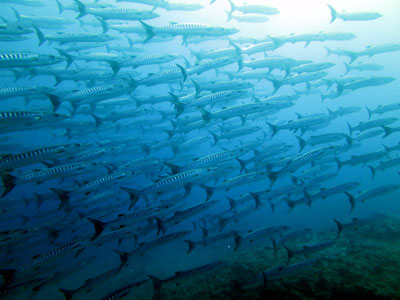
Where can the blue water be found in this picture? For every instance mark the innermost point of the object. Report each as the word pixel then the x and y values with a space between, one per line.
pixel 31 229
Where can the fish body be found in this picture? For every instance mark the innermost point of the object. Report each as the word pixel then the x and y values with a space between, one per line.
pixel 353 16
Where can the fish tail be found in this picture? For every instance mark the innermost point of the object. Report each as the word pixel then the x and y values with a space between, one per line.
pixel 388 131
pixel 369 111
pixel 149 31
pixel 275 246
pixel 207 116
pixel 9 183
pixel 349 139
pixel 197 87
pixel 221 223
pixel 157 286
pixel 328 51
pixel 350 128
pixel 81 8
pixel 68 294
pixel 97 120
pixel 99 227
pixel 347 66
pixel 352 200
pixel 55 101
pixel 160 226
pixel 215 137
pixel 273 128
pixel 60 6
pixel 290 203
pixel 265 279
pixel 333 13
pixel 115 67
pixel 180 107
pixel 339 226
pixel 133 195
pixel 232 203
pixel 338 163
pixel 290 253
pixel 123 256
pixel 209 191
pixel 273 176
pixel 272 206
pixel 68 57
pixel 8 276
pixel 233 7
pixel 63 195
pixel 183 71
pixel 105 27
pixel 242 163
pixel 257 200
pixel 191 246
pixel 174 168
pixel 353 56
pixel 229 15
pixel 17 15
pixel 277 84
pixel 40 36
pixel 238 240
pixel 302 143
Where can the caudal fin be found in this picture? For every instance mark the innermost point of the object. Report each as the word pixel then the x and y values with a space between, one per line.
pixel 352 200
pixel 333 13
pixel 99 227
pixel 9 182
pixel 191 246
pixel 81 8
pixel 40 36
pixel 339 226
pixel 68 294
pixel 149 31
pixel 157 286
pixel 133 196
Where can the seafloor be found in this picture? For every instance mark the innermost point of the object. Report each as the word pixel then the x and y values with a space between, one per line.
pixel 363 264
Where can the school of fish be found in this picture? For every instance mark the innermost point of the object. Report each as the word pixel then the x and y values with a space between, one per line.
pixel 124 140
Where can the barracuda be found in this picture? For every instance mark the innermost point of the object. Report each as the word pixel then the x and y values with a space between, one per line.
pixel 185 178
pixel 207 161
pixel 182 275
pixel 90 186
pixel 32 3
pixel 74 37
pixel 37 261
pixel 213 64
pixel 47 174
pixel 163 77
pixel 234 133
pixel 144 60
pixel 354 16
pixel 220 86
pixel 182 215
pixel 187 30
pixel 372 193
pixel 29 118
pixel 25 60
pixel 122 292
pixel 240 111
pixel 91 95
pixel 124 219
pixel 298 162
pixel 209 99
pixel 144 247
pixel 11 92
pixel 114 13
